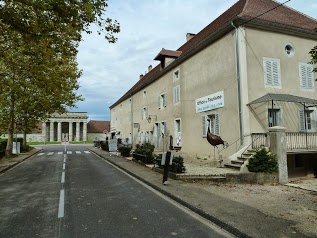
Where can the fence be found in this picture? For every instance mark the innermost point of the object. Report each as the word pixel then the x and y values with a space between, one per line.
pixel 294 140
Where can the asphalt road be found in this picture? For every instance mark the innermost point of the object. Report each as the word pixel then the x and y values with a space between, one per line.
pixel 66 191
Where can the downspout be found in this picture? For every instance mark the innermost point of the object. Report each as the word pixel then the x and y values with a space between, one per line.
pixel 239 83
pixel 131 98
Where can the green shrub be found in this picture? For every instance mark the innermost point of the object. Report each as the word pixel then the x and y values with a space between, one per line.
pixel 3 144
pixel 263 161
pixel 104 145
pixel 125 150
pixel 145 149
pixel 177 164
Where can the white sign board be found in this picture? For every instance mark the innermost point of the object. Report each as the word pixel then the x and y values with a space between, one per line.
pixel 16 148
pixel 210 102
pixel 113 145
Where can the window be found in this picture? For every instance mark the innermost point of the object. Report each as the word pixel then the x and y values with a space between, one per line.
pixel 176 94
pixel 274 117
pixel 162 101
pixel 306 76
pixel 213 123
pixel 176 75
pixel 305 124
pixel 289 50
pixel 144 113
pixel 163 129
pixel 178 133
pixel 272 74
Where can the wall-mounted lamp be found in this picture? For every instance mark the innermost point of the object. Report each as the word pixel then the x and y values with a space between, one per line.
pixel 150 117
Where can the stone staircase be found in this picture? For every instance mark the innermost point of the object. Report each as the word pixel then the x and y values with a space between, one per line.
pixel 237 163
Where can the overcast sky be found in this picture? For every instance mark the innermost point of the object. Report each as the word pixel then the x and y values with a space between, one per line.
pixel 147 26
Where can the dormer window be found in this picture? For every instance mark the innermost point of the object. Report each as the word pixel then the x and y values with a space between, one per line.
pixel 167 57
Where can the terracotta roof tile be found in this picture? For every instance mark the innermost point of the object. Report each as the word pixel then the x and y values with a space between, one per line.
pixel 98 126
pixel 168 53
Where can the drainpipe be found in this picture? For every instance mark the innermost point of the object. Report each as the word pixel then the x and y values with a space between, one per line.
pixel 131 98
pixel 239 83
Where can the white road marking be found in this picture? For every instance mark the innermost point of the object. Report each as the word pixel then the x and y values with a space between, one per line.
pixel 40 154
pixel 50 153
pixel 61 204
pixel 63 177
pixel 64 160
pixel 60 152
pixel 69 152
pixel 78 152
pixel 87 152
pixel 64 166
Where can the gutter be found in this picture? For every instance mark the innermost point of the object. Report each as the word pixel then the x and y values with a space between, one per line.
pixel 239 83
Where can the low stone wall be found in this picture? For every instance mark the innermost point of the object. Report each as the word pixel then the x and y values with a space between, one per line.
pixel 252 178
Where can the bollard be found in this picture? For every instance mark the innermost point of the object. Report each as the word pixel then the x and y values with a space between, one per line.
pixel 166 164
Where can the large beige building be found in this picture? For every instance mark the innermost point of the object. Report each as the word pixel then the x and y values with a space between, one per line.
pixel 243 73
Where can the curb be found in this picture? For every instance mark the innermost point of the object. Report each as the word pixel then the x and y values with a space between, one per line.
pixel 234 231
pixel 18 162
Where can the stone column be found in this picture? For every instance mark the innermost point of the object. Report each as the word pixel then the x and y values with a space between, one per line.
pixel 85 131
pixel 59 131
pixel 77 131
pixel 70 131
pixel 51 131
pixel 44 132
pixel 278 147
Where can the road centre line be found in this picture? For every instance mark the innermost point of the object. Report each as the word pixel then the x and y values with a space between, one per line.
pixel 64 166
pixel 61 204
pixel 63 177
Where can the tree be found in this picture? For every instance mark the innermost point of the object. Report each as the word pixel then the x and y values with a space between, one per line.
pixel 38 48
pixel 313 54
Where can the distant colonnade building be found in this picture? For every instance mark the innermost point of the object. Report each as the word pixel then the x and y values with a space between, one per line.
pixel 70 126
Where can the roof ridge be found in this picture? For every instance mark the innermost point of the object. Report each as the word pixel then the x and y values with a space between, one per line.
pixel 245 5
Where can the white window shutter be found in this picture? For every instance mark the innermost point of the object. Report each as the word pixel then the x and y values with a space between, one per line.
pixel 164 100
pixel 302 75
pixel 268 72
pixel 204 126
pixel 309 76
pixel 276 73
pixel 301 120
pixel 174 95
pixel 178 94
pixel 159 102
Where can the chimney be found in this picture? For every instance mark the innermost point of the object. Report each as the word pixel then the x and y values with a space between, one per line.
pixel 141 76
pixel 189 36
pixel 150 68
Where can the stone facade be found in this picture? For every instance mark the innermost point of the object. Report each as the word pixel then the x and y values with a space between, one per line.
pixel 71 126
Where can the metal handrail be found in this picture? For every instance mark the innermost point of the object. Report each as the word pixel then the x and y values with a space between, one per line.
pixel 258 137
pixel 235 142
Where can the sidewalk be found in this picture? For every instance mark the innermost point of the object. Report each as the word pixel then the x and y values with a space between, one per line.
pixel 6 164
pixel 244 210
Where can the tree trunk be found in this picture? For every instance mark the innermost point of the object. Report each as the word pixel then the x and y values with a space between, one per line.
pixel 8 152
pixel 24 140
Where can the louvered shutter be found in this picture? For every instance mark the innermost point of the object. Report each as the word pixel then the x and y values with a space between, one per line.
pixel 268 72
pixel 309 73
pixel 164 100
pixel 302 74
pixel 204 126
pixel 301 120
pixel 159 102
pixel 276 73
pixel 178 94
